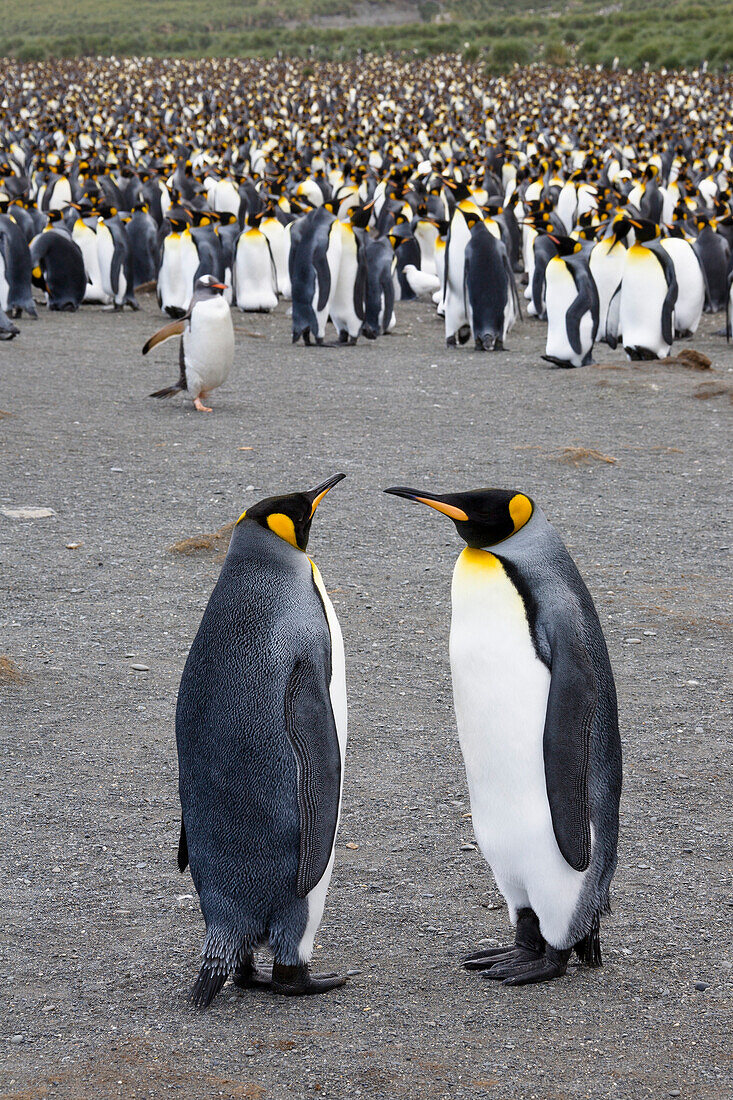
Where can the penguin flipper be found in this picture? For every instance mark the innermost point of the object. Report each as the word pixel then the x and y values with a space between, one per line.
pixel 571 707
pixel 182 849
pixel 167 332
pixel 670 298
pixel 323 275
pixel 314 740
pixel 613 318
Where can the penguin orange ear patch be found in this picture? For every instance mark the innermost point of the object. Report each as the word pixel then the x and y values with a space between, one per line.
pixel 520 509
pixel 283 526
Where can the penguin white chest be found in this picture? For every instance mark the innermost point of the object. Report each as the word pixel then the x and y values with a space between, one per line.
pixel 208 345
pixel 500 690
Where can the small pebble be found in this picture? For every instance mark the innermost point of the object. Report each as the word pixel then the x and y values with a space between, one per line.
pixel 468 847
pixel 250 1053
pixel 674 1092
pixel 632 641
pixel 141 668
pixel 74 545
pixel 692 683
pixel 116 470
pixel 650 633
pixel 701 986
pixel 17 1039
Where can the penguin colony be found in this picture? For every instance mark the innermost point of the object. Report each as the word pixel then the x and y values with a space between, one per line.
pixel 242 183
pixel 371 182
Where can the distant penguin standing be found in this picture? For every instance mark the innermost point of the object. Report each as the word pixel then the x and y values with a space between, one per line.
pixel 537 722
pixel 346 306
pixel 572 306
pixel 179 262
pixel 713 252
pixel 255 277
pixel 315 252
pixel 261 734
pixel 207 343
pixel 607 261
pixel 641 313
pixel 690 284
pixel 379 296
pixel 16 288
pixel 492 302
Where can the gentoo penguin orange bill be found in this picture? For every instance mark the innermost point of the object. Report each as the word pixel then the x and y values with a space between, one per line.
pixel 536 711
pixel 261 733
pixel 207 344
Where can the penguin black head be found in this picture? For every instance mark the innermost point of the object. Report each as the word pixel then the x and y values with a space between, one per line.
pixel 566 246
pixel 472 218
pixel 482 517
pixel 290 516
pixel 646 230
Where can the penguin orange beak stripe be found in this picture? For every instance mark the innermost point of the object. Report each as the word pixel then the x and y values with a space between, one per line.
pixel 414 494
pixel 320 491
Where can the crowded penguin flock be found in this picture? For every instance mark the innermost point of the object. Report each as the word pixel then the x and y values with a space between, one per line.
pixel 602 200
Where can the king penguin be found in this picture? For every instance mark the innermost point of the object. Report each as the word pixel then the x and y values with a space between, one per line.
pixel 535 706
pixel 261 734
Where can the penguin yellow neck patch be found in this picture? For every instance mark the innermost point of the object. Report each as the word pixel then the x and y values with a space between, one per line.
pixel 520 509
pixel 478 559
pixel 283 526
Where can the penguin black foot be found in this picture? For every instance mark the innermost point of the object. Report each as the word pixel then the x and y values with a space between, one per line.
pixel 464 334
pixel 352 341
pixel 320 342
pixel 450 341
pixel 250 976
pixel 552 964
pixel 343 337
pixel 297 981
pixel 528 944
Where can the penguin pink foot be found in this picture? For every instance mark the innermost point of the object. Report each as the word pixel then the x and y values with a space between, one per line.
pixel 198 404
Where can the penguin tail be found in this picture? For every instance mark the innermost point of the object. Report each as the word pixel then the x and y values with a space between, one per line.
pixel 589 948
pixel 208 984
pixel 169 391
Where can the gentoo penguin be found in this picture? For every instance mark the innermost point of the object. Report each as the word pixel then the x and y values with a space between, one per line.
pixel 536 712
pixel 571 300
pixel 641 313
pixel 492 302
pixel 207 343
pixel 261 733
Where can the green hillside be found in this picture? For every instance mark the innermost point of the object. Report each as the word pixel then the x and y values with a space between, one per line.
pixel 676 34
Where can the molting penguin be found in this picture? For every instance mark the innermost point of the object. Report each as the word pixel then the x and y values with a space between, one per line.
pixel 536 713
pixel 207 343
pixel 261 733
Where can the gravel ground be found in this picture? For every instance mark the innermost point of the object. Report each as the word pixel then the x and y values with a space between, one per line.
pixel 103 934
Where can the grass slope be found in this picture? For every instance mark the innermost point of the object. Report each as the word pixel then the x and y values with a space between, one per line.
pixel 676 34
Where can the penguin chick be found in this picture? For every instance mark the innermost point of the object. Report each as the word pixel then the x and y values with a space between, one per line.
pixel 261 735
pixel 207 343
pixel 536 712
